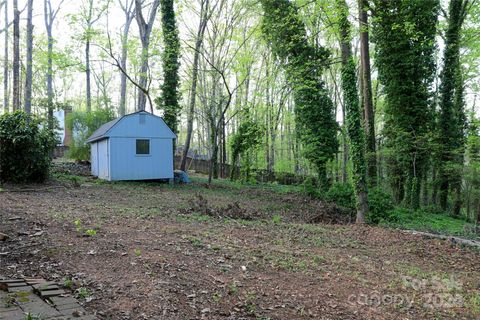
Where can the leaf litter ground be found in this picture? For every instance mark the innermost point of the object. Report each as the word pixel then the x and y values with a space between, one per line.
pixel 153 251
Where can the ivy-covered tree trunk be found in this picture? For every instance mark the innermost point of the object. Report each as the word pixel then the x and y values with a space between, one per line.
pixel 452 117
pixel 168 101
pixel 404 35
pixel 304 64
pixel 353 114
pixel 366 90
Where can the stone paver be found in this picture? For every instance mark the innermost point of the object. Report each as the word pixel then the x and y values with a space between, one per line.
pixel 24 296
pixel 12 315
pixel 58 301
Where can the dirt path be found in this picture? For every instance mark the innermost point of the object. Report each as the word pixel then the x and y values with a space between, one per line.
pixel 150 256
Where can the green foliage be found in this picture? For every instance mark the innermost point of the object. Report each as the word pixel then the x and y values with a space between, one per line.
pixel 81 230
pixel 342 194
pixel 472 171
pixel 314 111
pixel 353 114
pixel 168 101
pixel 451 123
pixel 90 232
pixel 404 36
pixel 83 124
pixel 78 225
pixel 82 293
pixel 310 187
pixel 30 316
pixel 247 138
pixel 26 146
pixel 423 220
pixel 380 206
pixel 276 219
pixel 68 283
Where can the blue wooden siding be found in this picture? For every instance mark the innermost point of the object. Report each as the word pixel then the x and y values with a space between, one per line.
pixel 125 164
pixel 132 126
pixel 114 149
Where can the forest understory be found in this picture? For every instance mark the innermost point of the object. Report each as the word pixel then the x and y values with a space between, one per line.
pixel 167 252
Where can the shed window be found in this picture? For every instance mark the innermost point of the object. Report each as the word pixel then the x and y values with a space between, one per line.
pixel 143 146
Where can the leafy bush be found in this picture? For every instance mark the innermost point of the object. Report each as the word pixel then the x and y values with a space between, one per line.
pixel 310 188
pixel 83 124
pixel 26 146
pixel 342 194
pixel 380 206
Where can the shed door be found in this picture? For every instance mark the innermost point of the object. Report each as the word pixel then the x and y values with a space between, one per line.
pixel 103 167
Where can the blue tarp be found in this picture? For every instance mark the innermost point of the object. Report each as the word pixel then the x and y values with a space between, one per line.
pixel 181 176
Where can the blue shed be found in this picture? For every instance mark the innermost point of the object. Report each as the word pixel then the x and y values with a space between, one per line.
pixel 137 146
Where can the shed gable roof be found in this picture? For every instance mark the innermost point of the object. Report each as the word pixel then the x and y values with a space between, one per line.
pixel 100 132
pixel 105 129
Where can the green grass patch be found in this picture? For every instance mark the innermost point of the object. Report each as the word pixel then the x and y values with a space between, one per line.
pixel 70 178
pixel 275 187
pixel 422 220
pixel 473 303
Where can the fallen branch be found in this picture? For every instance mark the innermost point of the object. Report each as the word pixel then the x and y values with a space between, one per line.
pixel 452 239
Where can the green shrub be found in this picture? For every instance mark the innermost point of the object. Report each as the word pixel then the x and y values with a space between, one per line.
pixel 26 146
pixel 83 124
pixel 380 206
pixel 433 209
pixel 310 188
pixel 342 194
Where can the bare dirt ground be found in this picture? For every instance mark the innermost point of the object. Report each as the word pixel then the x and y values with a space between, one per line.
pixel 155 251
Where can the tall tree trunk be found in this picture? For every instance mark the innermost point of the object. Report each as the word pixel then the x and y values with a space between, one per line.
pixel 50 78
pixel 353 114
pixel 5 61
pixel 224 148
pixel 459 105
pixel 28 75
pixel 16 56
pixel 345 152
pixel 193 89
pixel 145 28
pixel 478 211
pixel 213 160
pixel 49 18
pixel 271 162
pixel 123 77
pixel 129 15
pixel 88 75
pixel 366 90
pixel 142 99
pixel 434 198
pixel 451 118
